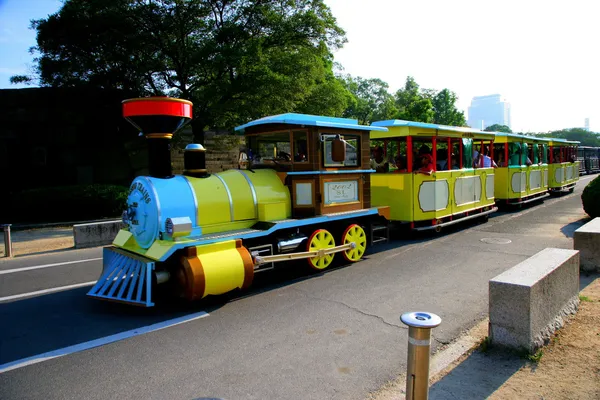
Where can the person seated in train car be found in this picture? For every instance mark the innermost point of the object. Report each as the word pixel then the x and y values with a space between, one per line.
pixel 442 159
pixel 455 164
pixel 475 156
pixel 487 162
pixel 401 165
pixel 427 166
pixel 424 149
pixel 300 150
pixel 500 159
pixel 378 162
pixel 556 155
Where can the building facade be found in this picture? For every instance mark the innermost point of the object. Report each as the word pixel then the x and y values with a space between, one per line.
pixel 488 110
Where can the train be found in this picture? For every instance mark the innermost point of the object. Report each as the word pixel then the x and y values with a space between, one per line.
pixel 589 159
pixel 307 190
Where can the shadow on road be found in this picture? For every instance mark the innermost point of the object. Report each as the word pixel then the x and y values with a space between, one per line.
pixel 569 229
pixel 478 376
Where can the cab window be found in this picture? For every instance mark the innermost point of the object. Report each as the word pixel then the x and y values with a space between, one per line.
pixel 300 146
pixel 352 152
pixel 268 147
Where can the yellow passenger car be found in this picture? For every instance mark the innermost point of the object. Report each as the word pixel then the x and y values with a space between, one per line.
pixel 430 175
pixel 522 174
pixel 564 167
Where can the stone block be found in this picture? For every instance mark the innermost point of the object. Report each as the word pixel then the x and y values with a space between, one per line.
pixel 528 302
pixel 96 233
pixel 587 240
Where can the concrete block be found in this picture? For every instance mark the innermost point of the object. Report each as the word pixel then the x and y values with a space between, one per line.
pixel 587 240
pixel 96 233
pixel 528 302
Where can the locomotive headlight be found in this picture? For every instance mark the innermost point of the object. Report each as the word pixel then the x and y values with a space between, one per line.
pixel 177 227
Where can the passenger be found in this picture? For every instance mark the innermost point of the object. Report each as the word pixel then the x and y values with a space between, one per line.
pixel 300 155
pixel 455 163
pixel 475 157
pixel 400 163
pixel 378 162
pixel 487 161
pixel 427 166
pixel 501 160
pixel 424 150
pixel 442 159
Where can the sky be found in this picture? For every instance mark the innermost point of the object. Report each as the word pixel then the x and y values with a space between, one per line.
pixel 540 56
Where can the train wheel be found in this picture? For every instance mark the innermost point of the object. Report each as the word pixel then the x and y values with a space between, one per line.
pixel 321 239
pixel 355 234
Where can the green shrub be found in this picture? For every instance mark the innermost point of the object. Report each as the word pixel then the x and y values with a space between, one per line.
pixel 591 198
pixel 69 203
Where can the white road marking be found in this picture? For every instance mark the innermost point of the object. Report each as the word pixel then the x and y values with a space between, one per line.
pixel 51 290
pixel 99 342
pixel 12 271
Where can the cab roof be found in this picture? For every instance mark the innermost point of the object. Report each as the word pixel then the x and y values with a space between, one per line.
pixel 309 120
pixel 503 137
pixel 564 142
pixel 409 128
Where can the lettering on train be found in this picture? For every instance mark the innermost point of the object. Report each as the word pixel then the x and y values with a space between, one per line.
pixel 140 188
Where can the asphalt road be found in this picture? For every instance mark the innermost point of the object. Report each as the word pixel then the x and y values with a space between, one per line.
pixel 294 335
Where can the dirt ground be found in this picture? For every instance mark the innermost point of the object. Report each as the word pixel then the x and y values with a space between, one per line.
pixel 569 367
pixel 36 241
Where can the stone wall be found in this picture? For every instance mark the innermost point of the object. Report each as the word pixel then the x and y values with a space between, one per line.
pixel 222 150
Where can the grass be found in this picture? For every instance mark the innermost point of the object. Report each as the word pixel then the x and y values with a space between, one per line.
pixel 485 345
pixel 536 357
pixel 585 298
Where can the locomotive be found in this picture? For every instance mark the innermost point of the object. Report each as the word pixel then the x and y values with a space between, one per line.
pixel 200 234
pixel 306 189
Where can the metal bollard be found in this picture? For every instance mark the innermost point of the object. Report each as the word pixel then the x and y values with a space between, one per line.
pixel 7 241
pixel 419 344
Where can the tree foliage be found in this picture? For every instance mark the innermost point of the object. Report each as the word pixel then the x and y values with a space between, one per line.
pixel 498 128
pixel 371 100
pixel 581 135
pixel 414 104
pixel 235 59
pixel 444 109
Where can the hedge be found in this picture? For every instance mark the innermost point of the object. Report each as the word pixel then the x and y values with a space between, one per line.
pixel 68 203
pixel 591 198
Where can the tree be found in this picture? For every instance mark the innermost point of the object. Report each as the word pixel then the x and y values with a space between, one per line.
pixel 235 59
pixel 581 135
pixel 498 128
pixel 445 111
pixel 412 104
pixel 372 101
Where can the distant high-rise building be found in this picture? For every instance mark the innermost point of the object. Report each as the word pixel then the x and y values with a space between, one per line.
pixel 488 110
pixel 587 124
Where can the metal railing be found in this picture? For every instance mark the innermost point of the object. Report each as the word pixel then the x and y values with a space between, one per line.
pixel 7 241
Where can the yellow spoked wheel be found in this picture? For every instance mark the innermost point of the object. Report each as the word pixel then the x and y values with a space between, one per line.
pixel 355 234
pixel 321 239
